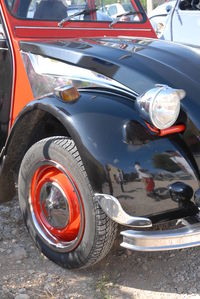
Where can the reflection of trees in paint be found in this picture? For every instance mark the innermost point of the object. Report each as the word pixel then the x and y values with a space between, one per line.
pixel 191 136
pixel 130 177
pixel 115 176
pixel 164 162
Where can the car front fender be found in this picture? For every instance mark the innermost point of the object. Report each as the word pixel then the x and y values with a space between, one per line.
pixel 120 155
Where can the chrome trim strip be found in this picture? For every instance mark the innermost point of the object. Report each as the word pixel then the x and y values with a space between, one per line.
pixel 162 240
pixel 113 209
pixel 13 67
pixel 83 29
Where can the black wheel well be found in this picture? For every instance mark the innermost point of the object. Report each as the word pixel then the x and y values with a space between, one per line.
pixel 30 128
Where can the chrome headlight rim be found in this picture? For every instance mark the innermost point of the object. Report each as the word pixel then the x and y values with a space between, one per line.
pixel 147 100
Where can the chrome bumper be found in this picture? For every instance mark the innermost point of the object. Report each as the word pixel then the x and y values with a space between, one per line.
pixel 162 240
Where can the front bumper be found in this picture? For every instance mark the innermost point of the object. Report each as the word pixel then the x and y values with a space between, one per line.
pixel 162 240
pixel 151 240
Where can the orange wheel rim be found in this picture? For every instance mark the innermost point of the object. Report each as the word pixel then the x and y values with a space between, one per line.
pixel 57 205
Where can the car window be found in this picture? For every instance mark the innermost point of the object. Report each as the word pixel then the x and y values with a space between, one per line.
pixel 56 10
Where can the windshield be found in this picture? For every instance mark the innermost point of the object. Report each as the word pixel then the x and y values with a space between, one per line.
pixel 90 10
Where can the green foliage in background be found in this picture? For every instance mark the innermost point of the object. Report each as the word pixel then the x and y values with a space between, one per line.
pixel 163 161
pixel 144 4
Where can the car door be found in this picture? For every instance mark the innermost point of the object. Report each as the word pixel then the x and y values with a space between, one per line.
pixel 185 23
pixel 5 85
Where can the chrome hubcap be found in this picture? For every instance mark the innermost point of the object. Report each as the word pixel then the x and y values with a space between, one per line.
pixel 54 206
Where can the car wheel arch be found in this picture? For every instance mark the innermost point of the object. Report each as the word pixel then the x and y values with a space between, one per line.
pixel 31 126
pixel 30 123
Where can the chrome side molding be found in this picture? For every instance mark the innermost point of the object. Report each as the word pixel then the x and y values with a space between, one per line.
pixel 162 240
pixel 113 209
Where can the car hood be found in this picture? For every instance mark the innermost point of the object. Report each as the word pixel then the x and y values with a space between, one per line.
pixel 136 63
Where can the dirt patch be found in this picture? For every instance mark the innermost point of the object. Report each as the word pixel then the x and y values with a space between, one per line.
pixel 26 274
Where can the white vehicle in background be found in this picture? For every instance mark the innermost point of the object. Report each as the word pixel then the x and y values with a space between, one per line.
pixel 158 16
pixel 162 9
pixel 181 23
pixel 116 9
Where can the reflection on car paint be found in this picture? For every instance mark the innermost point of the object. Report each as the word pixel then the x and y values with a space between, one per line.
pixel 148 180
pixel 43 76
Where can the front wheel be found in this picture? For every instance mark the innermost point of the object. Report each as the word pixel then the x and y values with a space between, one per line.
pixel 59 207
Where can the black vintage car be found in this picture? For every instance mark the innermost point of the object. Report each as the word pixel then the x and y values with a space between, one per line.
pixel 99 125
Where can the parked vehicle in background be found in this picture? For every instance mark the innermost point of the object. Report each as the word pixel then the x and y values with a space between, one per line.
pixel 181 23
pixel 158 16
pixel 99 126
pixel 116 9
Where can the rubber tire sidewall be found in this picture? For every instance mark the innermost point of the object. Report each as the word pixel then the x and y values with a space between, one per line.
pixel 46 149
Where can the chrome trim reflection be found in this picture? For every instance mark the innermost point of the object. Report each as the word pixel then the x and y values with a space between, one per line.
pixel 82 28
pixel 113 209
pixel 46 74
pixel 162 240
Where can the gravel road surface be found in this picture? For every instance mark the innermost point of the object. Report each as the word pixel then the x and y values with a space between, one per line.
pixel 26 274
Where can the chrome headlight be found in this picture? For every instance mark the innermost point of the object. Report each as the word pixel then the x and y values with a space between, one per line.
pixel 161 105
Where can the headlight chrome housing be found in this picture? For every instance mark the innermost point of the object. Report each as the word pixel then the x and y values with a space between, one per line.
pixel 161 105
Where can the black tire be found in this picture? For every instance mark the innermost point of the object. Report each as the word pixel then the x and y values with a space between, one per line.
pixel 99 231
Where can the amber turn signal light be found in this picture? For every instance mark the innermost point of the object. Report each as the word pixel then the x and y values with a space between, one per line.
pixel 67 93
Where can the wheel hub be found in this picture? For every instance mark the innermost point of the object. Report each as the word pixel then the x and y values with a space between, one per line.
pixel 54 205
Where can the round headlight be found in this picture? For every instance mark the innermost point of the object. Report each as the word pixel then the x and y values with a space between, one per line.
pixel 161 105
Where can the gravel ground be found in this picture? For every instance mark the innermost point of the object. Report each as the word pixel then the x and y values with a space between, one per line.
pixel 26 274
